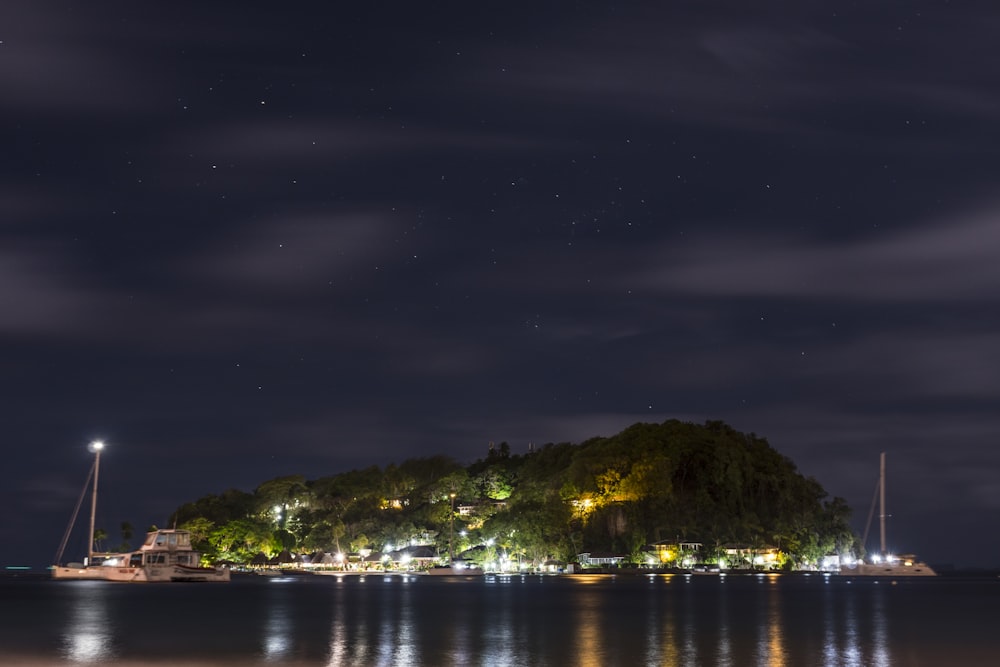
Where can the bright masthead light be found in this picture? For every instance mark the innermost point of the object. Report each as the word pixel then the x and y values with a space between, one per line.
pixel 97 445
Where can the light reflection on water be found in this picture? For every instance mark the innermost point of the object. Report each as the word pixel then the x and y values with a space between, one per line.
pixel 845 625
pixel 338 645
pixel 345 648
pixel 833 656
pixel 277 636
pixel 679 631
pixel 723 650
pixel 673 621
pixel 880 641
pixel 88 638
pixel 588 646
pixel 671 636
pixel 773 653
pixel 400 648
pixel 502 640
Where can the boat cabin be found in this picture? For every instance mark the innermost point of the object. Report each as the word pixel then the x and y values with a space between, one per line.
pixel 166 547
pixel 167 540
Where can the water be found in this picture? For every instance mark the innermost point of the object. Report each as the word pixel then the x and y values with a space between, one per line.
pixel 599 620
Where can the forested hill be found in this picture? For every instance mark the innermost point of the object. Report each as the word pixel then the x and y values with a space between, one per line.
pixel 679 481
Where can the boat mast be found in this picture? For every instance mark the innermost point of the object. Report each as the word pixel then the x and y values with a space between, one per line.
pixel 95 447
pixel 881 501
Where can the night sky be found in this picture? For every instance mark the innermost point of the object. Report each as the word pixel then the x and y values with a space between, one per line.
pixel 245 240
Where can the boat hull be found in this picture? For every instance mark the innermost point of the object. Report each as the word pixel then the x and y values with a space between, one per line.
pixel 81 573
pixel 888 570
pixel 451 571
pixel 142 575
pixel 193 574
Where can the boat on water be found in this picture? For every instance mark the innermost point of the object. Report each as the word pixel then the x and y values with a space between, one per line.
pixel 165 556
pixel 456 569
pixel 705 568
pixel 884 563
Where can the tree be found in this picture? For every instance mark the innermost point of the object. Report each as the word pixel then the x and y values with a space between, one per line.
pixel 201 532
pixel 698 482
pixel 337 531
pixel 283 493
pixel 495 483
pixel 99 536
pixel 126 528
pixel 240 540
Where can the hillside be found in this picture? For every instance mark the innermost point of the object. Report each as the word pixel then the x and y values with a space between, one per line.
pixel 669 482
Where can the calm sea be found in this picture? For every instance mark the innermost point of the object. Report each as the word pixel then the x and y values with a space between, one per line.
pixel 599 620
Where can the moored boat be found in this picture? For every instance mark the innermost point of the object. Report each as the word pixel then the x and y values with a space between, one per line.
pixel 885 563
pixel 892 566
pixel 166 555
pixel 456 569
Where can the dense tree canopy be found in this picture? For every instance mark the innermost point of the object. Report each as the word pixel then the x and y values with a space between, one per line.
pixel 651 483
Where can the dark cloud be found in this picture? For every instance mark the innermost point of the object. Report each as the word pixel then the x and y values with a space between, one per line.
pixel 951 258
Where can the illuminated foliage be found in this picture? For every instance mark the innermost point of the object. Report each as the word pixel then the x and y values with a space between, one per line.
pixel 241 539
pixel 652 482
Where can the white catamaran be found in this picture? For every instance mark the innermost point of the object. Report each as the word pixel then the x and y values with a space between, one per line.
pixel 885 563
pixel 166 555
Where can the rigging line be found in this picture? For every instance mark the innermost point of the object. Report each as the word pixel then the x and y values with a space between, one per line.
pixel 871 513
pixel 76 511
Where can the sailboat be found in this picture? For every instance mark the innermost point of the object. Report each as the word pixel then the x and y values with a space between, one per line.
pixel 884 563
pixel 165 555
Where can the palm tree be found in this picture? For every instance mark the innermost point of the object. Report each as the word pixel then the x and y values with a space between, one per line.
pixel 99 536
pixel 126 535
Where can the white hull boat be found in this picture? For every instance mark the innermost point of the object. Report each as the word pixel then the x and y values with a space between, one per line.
pixel 899 566
pixel 165 556
pixel 885 564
